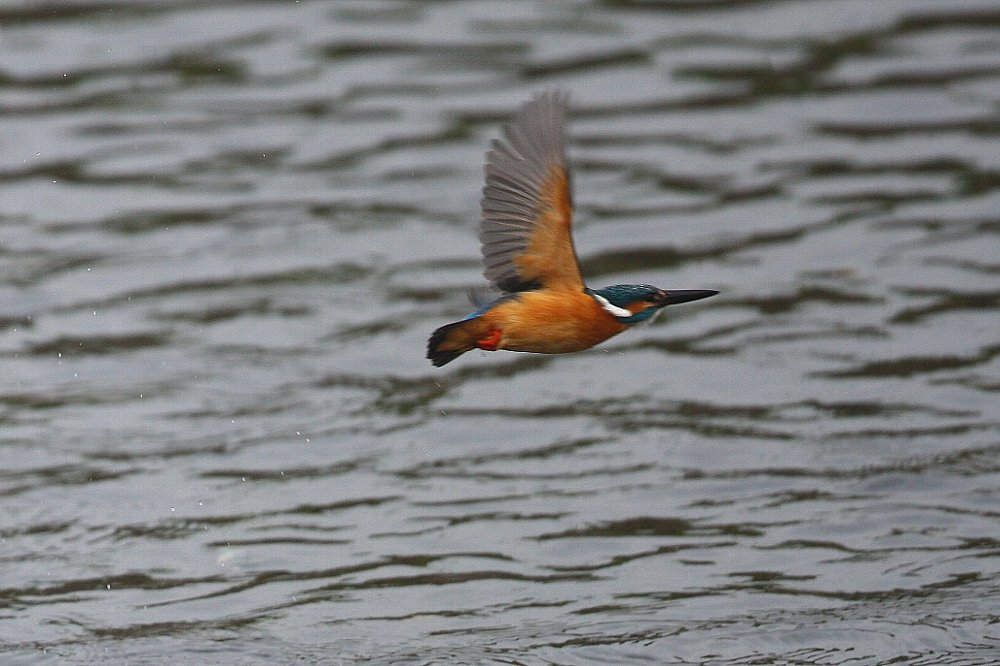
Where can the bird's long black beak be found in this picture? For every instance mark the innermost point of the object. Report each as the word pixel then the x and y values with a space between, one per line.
pixel 675 296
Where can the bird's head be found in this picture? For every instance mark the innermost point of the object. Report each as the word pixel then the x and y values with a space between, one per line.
pixel 636 303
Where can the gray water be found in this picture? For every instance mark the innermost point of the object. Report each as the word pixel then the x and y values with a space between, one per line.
pixel 228 228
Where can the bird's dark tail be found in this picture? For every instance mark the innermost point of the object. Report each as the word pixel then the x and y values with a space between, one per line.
pixel 448 343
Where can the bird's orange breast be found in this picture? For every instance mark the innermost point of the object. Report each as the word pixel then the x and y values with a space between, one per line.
pixel 550 322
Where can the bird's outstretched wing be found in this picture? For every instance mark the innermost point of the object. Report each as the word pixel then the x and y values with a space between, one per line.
pixel 526 228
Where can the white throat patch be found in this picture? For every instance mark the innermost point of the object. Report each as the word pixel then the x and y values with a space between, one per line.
pixel 610 307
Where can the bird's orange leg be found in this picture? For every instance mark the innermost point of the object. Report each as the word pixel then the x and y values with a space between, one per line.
pixel 491 341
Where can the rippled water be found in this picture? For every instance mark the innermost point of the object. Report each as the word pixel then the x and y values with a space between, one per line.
pixel 227 229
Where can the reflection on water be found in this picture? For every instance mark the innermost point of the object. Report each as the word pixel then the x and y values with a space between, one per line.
pixel 227 230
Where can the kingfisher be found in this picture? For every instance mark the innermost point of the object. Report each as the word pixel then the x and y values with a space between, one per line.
pixel 543 304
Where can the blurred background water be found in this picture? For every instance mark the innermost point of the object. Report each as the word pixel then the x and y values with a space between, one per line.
pixel 227 229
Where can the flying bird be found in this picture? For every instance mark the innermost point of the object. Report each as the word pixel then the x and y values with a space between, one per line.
pixel 526 233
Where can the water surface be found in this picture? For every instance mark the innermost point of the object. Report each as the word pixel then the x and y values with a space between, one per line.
pixel 227 229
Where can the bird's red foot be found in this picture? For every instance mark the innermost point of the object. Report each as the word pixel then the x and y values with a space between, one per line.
pixel 491 342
